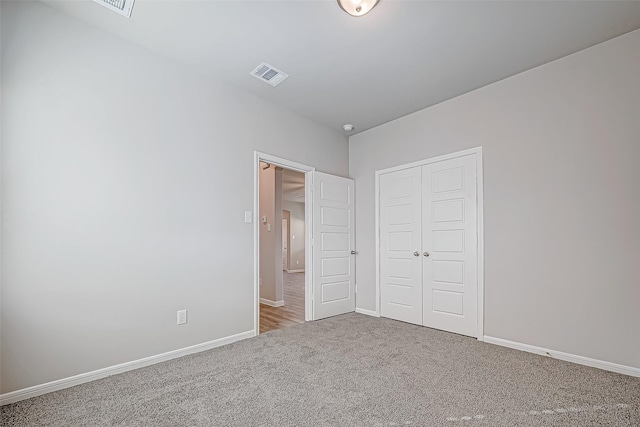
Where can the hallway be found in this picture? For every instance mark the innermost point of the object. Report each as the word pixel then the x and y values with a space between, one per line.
pixel 292 313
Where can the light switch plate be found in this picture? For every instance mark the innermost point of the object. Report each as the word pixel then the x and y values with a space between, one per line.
pixel 248 217
pixel 182 317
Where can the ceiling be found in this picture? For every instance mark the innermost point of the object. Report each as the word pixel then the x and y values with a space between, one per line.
pixel 402 57
pixel 292 186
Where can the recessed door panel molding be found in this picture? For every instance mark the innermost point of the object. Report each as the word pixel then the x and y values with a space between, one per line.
pixel 332 245
pixel 448 271
pixel 403 187
pixel 335 192
pixel 447 302
pixel 335 267
pixel 401 295
pixel 335 217
pixel 446 180
pixel 400 241
pixel 400 215
pixel 448 210
pixel 447 241
pixel 399 268
pixel 336 242
pixel 336 291
pixel 430 258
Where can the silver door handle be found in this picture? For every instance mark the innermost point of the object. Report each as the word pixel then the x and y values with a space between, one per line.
pixel 353 252
pixel 416 253
pixel 425 253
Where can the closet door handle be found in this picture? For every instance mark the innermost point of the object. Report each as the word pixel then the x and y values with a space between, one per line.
pixel 416 253
pixel 426 253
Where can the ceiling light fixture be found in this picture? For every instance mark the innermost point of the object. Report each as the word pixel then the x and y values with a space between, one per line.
pixel 357 7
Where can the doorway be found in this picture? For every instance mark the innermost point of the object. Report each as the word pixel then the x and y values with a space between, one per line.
pixel 282 221
pixel 329 273
pixel 282 247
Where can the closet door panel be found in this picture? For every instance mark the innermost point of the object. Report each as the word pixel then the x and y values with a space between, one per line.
pixel 400 237
pixel 449 245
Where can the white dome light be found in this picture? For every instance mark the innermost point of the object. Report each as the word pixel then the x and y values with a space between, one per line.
pixel 357 7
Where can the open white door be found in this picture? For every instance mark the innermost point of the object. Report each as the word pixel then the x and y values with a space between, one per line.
pixel 333 246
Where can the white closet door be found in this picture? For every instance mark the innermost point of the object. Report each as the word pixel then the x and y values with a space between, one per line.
pixel 450 245
pixel 400 235
pixel 333 243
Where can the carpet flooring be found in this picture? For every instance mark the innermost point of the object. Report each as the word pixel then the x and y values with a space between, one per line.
pixel 349 370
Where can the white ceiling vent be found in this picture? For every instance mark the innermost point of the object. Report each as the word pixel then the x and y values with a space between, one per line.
pixel 123 7
pixel 269 74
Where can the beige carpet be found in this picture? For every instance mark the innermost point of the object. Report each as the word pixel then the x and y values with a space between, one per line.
pixel 349 370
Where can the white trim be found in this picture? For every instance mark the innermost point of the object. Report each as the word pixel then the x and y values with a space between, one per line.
pixel 568 357
pixel 480 230
pixel 449 156
pixel 299 167
pixel 377 237
pixel 301 270
pixel 308 249
pixel 272 303
pixel 37 390
pixel 367 312
pixel 477 151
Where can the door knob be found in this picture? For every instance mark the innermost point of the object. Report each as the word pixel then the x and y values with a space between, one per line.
pixel 416 253
pixel 425 253
pixel 353 252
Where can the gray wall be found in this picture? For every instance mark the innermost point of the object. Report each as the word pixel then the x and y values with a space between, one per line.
pixel 270 241
pixel 124 179
pixel 562 197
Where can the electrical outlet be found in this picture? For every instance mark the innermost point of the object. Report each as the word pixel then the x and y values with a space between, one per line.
pixel 182 317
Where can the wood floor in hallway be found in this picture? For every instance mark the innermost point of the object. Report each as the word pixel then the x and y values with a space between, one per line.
pixel 292 312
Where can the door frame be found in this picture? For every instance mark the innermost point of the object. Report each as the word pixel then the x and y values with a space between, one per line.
pixel 308 172
pixel 477 151
pixel 285 264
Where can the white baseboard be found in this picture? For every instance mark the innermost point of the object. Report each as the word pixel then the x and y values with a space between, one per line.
pixel 568 357
pixel 367 312
pixel 271 303
pixel 37 390
pixel 295 271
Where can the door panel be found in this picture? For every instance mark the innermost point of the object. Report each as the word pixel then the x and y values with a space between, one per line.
pixel 333 238
pixel 400 231
pixel 450 222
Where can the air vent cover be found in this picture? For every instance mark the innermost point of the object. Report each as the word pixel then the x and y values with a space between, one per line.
pixel 123 7
pixel 269 74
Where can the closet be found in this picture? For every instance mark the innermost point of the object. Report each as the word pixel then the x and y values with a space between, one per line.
pixel 428 244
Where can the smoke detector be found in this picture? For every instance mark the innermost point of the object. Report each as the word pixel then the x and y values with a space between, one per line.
pixel 123 7
pixel 269 74
pixel 348 127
